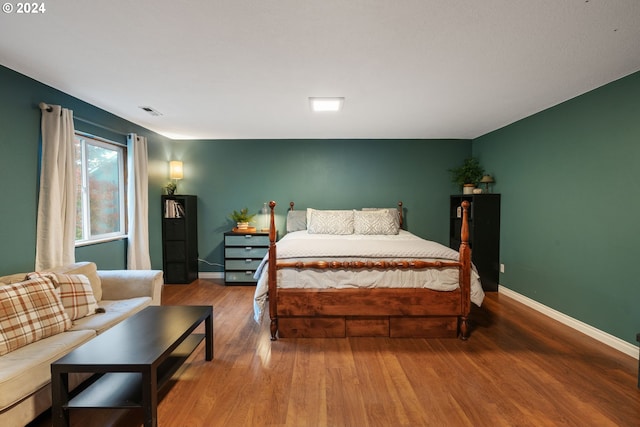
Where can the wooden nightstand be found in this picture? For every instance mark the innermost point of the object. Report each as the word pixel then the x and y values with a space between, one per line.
pixel 242 256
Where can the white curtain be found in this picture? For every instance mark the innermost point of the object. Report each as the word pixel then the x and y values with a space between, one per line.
pixel 138 201
pixel 56 222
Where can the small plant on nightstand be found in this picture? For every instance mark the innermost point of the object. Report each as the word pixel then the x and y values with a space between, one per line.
pixel 242 218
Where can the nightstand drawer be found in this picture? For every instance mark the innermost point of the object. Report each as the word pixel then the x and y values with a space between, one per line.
pixel 246 240
pixel 245 252
pixel 242 264
pixel 239 276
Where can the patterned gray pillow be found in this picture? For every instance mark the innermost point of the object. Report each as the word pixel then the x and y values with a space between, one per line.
pixel 296 221
pixel 381 221
pixel 330 222
pixel 393 211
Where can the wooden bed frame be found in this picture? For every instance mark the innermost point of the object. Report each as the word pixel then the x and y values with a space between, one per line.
pixel 381 312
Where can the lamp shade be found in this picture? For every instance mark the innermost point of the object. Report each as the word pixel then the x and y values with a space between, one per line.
pixel 175 169
pixel 487 179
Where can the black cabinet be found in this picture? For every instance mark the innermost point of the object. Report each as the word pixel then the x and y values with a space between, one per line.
pixel 484 234
pixel 180 238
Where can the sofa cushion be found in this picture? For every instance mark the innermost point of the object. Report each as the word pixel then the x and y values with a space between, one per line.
pixel 125 284
pixel 88 269
pixel 28 369
pixel 74 291
pixel 12 278
pixel 29 311
pixel 114 313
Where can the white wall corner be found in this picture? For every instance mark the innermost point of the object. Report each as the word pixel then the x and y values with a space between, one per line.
pixel 597 334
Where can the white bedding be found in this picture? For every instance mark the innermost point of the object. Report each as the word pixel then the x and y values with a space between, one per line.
pixel 303 246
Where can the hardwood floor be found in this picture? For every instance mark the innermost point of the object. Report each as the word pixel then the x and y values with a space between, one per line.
pixel 519 368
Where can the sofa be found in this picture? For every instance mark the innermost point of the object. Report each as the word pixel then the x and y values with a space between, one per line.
pixel 98 300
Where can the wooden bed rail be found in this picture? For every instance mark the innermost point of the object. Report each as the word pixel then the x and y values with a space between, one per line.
pixel 463 264
pixel 369 265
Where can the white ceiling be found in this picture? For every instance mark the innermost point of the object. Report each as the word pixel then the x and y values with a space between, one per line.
pixel 244 69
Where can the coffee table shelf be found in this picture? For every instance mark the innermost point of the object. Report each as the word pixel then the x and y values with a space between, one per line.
pixel 115 390
pixel 112 391
pixel 131 361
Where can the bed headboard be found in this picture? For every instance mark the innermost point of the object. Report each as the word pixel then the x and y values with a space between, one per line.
pixel 400 212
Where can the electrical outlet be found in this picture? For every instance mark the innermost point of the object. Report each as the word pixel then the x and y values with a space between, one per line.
pixel 501 268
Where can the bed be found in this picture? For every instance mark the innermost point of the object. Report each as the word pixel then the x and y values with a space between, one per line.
pixel 358 273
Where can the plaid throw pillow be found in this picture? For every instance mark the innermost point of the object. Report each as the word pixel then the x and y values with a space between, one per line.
pixel 29 311
pixel 74 291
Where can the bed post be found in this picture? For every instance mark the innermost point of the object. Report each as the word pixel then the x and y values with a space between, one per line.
pixel 272 274
pixel 465 272
pixel 400 213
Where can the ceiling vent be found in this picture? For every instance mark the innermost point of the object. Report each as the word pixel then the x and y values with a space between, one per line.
pixel 151 111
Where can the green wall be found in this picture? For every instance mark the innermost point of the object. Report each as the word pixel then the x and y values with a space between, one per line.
pixel 325 174
pixel 20 142
pixel 569 231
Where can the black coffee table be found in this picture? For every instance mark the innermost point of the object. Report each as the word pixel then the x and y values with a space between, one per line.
pixel 132 361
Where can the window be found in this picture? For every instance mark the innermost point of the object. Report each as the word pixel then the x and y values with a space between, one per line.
pixel 100 187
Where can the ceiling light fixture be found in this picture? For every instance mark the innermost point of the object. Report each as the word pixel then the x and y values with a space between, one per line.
pixel 326 104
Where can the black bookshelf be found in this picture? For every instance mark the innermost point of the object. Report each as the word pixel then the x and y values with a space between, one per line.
pixel 180 239
pixel 484 234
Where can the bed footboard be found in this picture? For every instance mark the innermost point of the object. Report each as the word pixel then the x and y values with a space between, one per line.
pixel 392 312
pixel 272 273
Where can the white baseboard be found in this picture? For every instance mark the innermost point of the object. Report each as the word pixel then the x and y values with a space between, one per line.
pixel 211 275
pixel 589 330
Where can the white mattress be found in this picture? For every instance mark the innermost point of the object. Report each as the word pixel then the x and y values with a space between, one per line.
pixel 301 246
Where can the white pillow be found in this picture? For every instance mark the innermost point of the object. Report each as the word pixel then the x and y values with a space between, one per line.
pixel 381 221
pixel 329 222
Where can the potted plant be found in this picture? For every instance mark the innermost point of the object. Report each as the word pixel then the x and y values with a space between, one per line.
pixel 171 188
pixel 242 218
pixel 468 174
